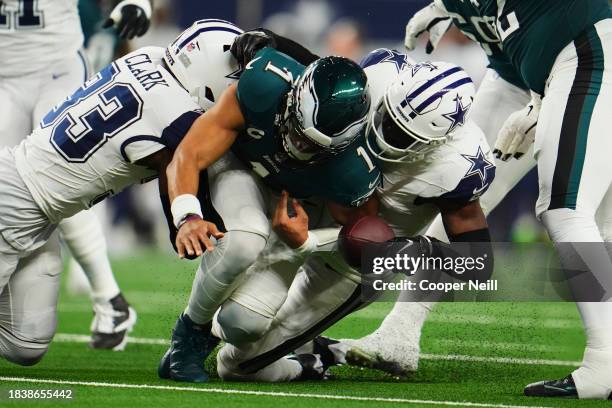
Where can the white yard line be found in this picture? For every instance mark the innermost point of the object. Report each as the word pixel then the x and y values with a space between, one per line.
pixel 501 360
pixel 263 393
pixel 82 338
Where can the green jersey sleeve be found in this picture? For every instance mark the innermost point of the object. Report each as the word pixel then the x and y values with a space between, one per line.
pixel 533 33
pixel 481 29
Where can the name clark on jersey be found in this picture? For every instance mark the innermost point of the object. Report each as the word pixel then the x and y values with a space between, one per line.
pixel 147 78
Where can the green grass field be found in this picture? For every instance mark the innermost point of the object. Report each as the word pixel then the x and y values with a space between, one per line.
pixel 478 355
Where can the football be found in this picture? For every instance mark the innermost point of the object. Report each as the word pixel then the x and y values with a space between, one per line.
pixel 355 235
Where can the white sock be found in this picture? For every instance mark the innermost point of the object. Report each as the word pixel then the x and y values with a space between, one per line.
pixel 84 236
pixel 594 378
pixel 405 321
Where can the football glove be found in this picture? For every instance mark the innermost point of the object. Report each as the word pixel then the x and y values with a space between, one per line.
pixel 246 45
pixel 131 18
pixel 518 131
pixel 432 19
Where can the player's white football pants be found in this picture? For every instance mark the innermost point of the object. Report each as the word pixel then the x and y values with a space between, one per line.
pixel 240 204
pixel 572 149
pixel 30 267
pixel 24 100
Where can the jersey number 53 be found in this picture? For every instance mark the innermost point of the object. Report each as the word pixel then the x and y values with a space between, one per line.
pixel 92 115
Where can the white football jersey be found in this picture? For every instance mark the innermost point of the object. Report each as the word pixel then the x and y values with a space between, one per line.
pixel 36 33
pixel 85 148
pixel 461 169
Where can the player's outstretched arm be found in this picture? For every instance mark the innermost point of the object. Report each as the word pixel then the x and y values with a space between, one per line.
pixel 467 223
pixel 210 136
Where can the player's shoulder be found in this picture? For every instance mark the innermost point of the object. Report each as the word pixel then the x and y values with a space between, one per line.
pixel 460 170
pixel 265 81
pixel 146 71
pixel 385 58
pixel 382 66
pixel 354 175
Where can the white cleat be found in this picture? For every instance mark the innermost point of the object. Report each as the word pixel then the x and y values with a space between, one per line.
pixel 392 354
pixel 112 322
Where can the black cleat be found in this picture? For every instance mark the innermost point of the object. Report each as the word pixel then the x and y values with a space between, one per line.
pixel 312 367
pixel 565 388
pixel 321 347
pixel 190 345
pixel 113 320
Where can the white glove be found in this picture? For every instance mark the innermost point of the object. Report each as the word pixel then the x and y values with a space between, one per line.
pixel 433 19
pixel 518 132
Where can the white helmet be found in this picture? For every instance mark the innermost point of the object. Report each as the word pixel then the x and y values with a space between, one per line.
pixel 420 110
pixel 201 60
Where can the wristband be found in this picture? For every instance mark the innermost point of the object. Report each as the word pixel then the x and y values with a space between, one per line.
pixel 308 246
pixel 184 205
pixel 188 217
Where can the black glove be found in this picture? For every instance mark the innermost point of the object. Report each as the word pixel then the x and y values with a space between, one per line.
pixel 130 20
pixel 247 44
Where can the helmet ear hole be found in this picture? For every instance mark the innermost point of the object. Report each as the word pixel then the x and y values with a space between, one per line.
pixel 208 93
pixel 226 47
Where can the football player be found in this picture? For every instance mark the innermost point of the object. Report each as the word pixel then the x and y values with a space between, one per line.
pixel 565 69
pixel 42 61
pixel 501 93
pixel 283 126
pixel 435 162
pixel 117 129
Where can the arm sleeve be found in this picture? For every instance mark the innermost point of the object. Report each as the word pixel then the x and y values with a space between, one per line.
pixel 296 51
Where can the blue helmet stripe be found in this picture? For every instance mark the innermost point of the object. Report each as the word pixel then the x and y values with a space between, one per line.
pixel 206 29
pixel 439 94
pixel 432 81
pixel 213 20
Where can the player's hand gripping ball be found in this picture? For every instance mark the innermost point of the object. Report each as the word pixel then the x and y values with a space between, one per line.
pixel 356 235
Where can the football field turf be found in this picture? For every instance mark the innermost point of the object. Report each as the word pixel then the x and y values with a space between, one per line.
pixel 475 355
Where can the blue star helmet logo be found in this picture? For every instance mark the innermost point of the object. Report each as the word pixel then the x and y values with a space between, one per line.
pixel 457 117
pixel 417 67
pixel 394 57
pixel 235 75
pixel 383 55
pixel 478 165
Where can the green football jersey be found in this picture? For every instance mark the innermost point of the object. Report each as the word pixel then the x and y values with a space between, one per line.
pixel 481 29
pixel 346 178
pixel 533 33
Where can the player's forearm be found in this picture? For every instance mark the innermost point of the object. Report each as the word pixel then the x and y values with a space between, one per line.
pixel 183 175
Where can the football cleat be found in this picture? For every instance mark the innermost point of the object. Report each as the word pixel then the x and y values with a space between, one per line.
pixel 312 367
pixel 321 347
pixel 564 388
pixel 394 356
pixel 190 345
pixel 112 322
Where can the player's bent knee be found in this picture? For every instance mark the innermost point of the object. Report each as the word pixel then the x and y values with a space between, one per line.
pixel 244 247
pixel 24 355
pixel 241 325
pixel 239 250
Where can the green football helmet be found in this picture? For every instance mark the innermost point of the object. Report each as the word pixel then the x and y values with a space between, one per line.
pixel 327 108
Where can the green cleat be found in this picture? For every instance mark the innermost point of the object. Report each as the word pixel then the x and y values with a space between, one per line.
pixel 190 345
